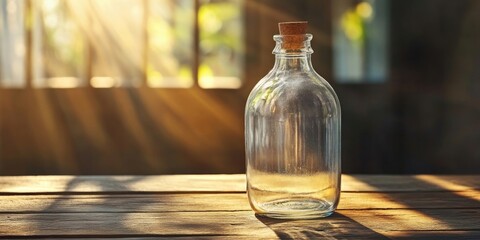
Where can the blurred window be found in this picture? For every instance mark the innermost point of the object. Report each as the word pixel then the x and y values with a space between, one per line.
pixel 58 47
pixel 361 41
pixel 12 43
pixel 221 44
pixel 115 43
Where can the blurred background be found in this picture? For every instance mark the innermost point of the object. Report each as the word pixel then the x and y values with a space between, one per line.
pixel 159 86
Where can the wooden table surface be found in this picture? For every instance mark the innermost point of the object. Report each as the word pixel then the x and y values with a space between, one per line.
pixel 216 206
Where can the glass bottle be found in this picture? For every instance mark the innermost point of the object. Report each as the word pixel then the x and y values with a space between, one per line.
pixel 292 134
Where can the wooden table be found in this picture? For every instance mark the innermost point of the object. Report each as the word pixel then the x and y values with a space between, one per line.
pixel 216 206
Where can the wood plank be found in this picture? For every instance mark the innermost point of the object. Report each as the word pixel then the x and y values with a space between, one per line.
pixel 124 203
pixel 145 237
pixel 122 184
pixel 364 224
pixel 429 235
pixel 409 183
pixel 433 235
pixel 222 183
pixel 445 206
pixel 239 224
pixel 223 202
pixel 417 219
pixel 409 200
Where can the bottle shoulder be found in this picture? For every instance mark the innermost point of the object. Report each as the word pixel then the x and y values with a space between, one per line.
pixel 291 84
pixel 292 92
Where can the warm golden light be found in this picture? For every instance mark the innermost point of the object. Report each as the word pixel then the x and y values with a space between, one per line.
pixel 103 82
pixel 352 25
pixel 401 214
pixel 364 9
pixel 206 79
pixel 182 80
pixel 459 188
pixel 63 82
pixel 220 82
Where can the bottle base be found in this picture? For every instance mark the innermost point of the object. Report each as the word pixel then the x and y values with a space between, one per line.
pixel 296 209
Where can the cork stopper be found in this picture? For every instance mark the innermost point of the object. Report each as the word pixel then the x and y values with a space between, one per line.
pixel 293 34
pixel 292 28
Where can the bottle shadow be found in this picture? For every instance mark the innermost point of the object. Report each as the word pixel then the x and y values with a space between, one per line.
pixel 336 226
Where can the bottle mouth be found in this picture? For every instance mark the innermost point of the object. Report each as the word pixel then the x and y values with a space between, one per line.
pixel 293 44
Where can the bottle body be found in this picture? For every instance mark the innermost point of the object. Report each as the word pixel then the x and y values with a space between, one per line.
pixel 292 136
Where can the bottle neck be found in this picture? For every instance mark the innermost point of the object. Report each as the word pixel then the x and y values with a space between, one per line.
pixel 287 62
pixel 293 52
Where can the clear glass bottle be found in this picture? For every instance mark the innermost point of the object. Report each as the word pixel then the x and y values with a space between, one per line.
pixel 292 135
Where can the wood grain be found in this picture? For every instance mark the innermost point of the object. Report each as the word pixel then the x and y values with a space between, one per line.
pixel 233 223
pixel 433 235
pixel 121 184
pixel 172 224
pixel 229 183
pixel 403 183
pixel 216 207
pixel 121 130
pixel 201 202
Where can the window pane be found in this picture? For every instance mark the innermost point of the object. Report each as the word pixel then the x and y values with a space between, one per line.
pixel 12 43
pixel 58 46
pixel 361 40
pixel 221 44
pixel 116 33
pixel 171 43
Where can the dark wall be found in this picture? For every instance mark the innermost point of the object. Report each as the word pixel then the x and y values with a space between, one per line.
pixel 436 77
pixel 426 117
